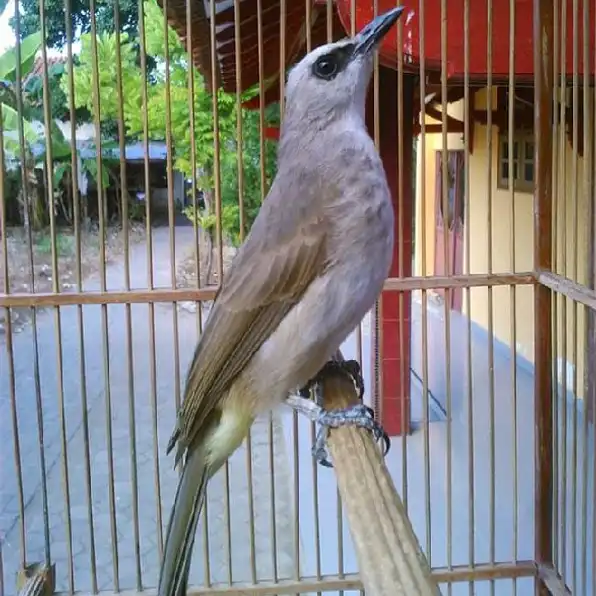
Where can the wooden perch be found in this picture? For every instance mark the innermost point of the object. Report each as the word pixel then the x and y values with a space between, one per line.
pixel 37 579
pixel 390 559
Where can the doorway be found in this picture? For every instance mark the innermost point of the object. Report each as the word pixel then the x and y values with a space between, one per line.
pixel 450 227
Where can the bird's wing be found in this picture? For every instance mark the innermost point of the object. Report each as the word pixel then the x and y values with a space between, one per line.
pixel 284 252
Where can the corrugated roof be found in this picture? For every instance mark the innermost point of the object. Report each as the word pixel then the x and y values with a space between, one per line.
pixel 86 149
pixel 247 25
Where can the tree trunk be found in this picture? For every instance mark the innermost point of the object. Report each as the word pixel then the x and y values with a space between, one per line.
pixel 208 233
pixel 84 211
pixel 37 201
pixel 208 267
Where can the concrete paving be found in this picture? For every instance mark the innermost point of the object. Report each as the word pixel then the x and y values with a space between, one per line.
pixel 276 544
pixel 460 528
pixel 153 404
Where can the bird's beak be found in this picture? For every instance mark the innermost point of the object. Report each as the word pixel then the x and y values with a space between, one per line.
pixel 373 33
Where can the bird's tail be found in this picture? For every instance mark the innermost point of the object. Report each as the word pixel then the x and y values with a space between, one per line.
pixel 182 525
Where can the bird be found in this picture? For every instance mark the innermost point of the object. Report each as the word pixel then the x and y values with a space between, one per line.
pixel 309 270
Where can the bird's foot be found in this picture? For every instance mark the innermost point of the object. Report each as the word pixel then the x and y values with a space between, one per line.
pixel 357 415
pixel 349 367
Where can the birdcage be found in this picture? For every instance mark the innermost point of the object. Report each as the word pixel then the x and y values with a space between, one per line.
pixel 139 140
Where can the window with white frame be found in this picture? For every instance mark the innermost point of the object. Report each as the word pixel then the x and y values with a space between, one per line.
pixel 521 161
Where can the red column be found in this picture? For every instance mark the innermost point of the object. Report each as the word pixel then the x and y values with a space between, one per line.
pixel 395 353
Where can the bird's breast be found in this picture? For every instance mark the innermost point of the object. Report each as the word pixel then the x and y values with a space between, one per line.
pixel 364 226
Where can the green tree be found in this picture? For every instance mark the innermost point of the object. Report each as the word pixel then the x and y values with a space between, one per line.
pixel 183 142
pixel 107 59
pixel 29 158
pixel 80 18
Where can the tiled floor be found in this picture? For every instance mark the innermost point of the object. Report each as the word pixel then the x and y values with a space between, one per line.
pixel 503 508
pixel 274 503
pixel 113 515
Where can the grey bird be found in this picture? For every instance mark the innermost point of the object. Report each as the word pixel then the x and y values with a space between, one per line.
pixel 310 269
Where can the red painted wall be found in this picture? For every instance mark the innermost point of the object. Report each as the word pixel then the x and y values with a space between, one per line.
pixel 395 354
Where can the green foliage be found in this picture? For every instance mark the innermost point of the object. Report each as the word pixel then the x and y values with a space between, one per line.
pixel 32 104
pixel 64 244
pixel 33 154
pixel 80 18
pixel 186 139
pixel 33 91
pixel 8 60
pixel 10 127
pixel 89 166
pixel 107 59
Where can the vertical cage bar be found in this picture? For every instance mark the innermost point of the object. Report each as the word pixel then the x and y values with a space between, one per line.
pixel 216 140
pixel 49 165
pixel 242 223
pixel 79 286
pixel 25 165
pixel 574 304
pixel 132 429
pixel 512 289
pixel 313 430
pixel 543 99
pixel 150 280
pixel 263 188
pixel 447 295
pixel 468 105
pixel 171 203
pixel 491 330
pixel 378 306
pixel 592 166
pixel 405 411
pixel 194 189
pixel 377 405
pixel 588 199
pixel 424 307
pixel 561 199
pixel 239 120
pixel 352 33
pixel 555 302
pixel 11 375
pixel 102 207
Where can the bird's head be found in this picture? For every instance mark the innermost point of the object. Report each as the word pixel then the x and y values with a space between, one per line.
pixel 333 79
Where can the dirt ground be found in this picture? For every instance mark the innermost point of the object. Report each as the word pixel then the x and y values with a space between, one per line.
pixel 19 268
pixel 186 270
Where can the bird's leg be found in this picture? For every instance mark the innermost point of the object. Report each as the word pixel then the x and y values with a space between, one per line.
pixel 357 415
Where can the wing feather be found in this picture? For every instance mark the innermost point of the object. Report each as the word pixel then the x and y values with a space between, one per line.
pixel 266 279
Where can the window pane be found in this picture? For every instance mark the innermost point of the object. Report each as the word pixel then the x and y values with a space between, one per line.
pixel 515 171
pixel 515 149
pixel 504 171
pixel 530 150
pixel 529 172
pixel 505 149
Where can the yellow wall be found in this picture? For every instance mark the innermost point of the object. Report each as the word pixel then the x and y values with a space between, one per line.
pixel 482 195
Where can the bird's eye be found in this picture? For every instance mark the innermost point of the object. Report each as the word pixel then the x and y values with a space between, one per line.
pixel 326 67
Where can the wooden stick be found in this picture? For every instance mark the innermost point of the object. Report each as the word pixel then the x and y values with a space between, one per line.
pixel 37 579
pixel 390 559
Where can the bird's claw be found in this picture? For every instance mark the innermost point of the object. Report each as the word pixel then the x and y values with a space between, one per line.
pixel 358 415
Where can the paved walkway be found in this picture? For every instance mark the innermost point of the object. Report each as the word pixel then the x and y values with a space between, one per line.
pixel 454 508
pixel 273 503
pixel 150 458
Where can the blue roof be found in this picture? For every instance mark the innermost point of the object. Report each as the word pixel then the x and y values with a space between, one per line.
pixel 133 151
